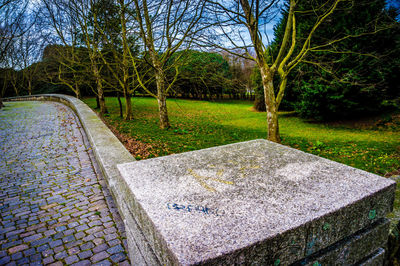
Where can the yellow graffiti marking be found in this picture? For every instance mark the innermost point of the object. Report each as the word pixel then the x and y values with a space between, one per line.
pixel 243 169
pixel 201 180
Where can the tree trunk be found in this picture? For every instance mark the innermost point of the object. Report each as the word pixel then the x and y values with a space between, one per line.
pixel 271 106
pixel 162 107
pixel 125 68
pixel 121 114
pixel 14 84
pixel 102 101
pixel 128 106
pixel 77 91
pixel 162 99
pixel 1 103
pixel 29 87
pixel 97 102
pixel 78 94
pixel 273 125
pixel 100 91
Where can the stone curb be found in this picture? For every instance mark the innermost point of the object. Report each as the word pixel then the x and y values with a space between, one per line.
pixel 107 149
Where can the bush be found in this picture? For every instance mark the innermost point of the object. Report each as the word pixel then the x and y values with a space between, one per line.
pixel 336 100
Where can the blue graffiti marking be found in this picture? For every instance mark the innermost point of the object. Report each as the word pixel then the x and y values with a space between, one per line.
pixel 195 208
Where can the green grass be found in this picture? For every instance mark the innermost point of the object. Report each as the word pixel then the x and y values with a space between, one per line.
pixel 201 124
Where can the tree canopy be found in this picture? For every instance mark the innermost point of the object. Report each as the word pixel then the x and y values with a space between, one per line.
pixel 354 76
pixel 328 59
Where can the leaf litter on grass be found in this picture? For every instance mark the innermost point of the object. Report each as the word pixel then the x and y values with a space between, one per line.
pixel 196 125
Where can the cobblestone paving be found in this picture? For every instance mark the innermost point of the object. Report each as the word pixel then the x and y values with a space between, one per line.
pixel 55 208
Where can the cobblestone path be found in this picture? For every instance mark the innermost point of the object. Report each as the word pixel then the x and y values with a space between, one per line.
pixel 55 208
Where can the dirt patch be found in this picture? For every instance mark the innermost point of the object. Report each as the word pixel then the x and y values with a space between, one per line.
pixel 138 149
pixel 377 122
pixel 393 173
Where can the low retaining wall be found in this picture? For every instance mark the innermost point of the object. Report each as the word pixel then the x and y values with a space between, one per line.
pixel 250 203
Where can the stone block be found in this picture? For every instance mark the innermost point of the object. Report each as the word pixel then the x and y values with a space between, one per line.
pixel 140 251
pixel 377 258
pixel 352 249
pixel 253 202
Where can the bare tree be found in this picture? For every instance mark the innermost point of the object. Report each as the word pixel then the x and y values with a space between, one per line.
pixel 64 55
pixel 12 26
pixel 68 66
pixel 13 76
pixel 4 79
pixel 116 34
pixel 29 51
pixel 250 17
pixel 74 22
pixel 166 27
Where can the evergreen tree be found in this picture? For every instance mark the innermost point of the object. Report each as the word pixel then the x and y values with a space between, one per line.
pixel 353 77
pixel 201 74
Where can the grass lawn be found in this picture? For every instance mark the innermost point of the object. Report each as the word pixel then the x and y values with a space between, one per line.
pixel 201 124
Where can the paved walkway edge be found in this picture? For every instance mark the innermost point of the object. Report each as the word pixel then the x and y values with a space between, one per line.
pixel 107 149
